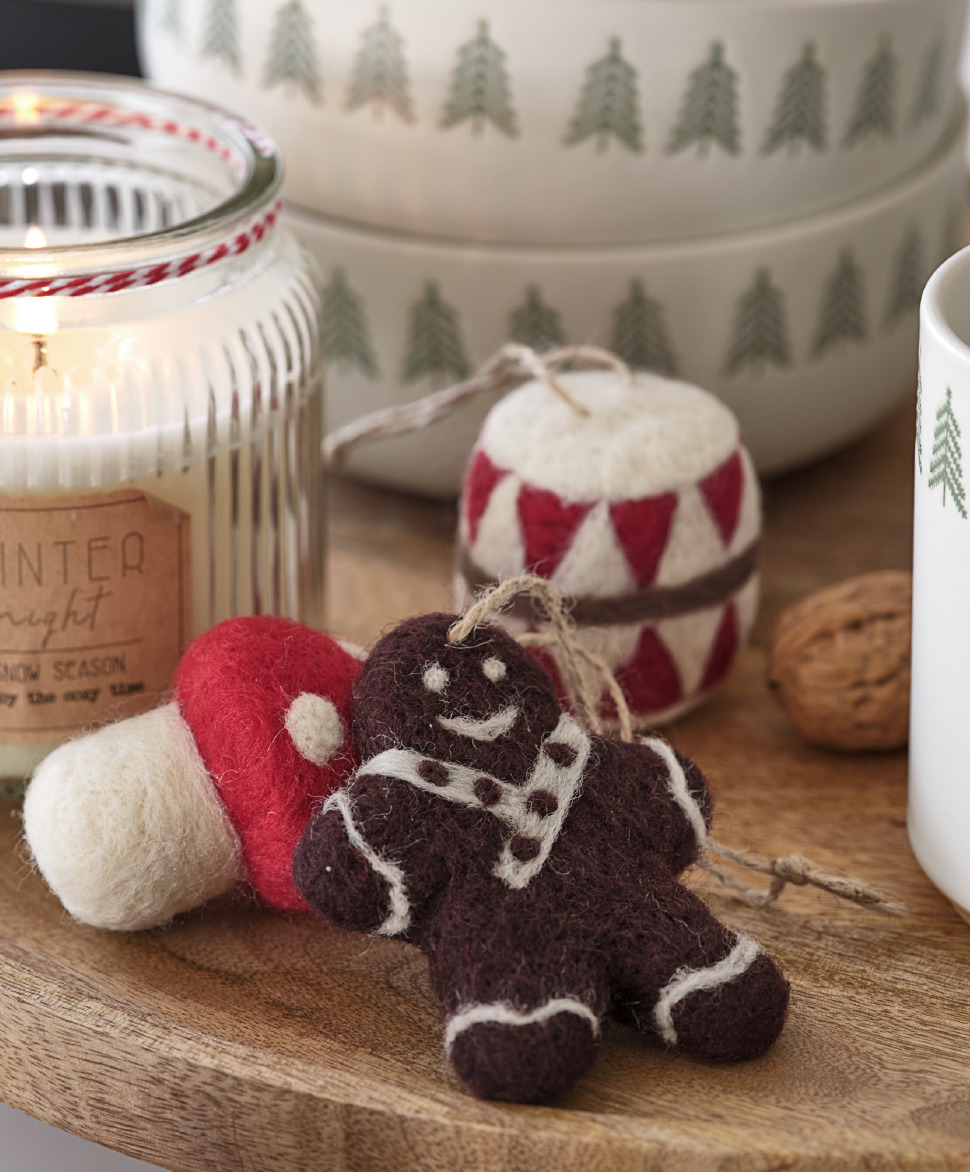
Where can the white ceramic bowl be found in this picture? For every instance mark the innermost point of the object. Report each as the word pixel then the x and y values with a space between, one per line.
pixel 600 121
pixel 808 331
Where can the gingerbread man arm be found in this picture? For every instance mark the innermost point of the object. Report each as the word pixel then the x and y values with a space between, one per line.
pixel 376 854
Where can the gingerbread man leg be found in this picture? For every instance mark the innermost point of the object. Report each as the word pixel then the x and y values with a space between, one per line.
pixel 682 975
pixel 522 1023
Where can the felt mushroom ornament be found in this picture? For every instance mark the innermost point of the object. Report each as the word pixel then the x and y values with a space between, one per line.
pixel 159 813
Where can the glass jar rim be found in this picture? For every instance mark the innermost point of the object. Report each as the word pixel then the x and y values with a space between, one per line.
pixel 91 103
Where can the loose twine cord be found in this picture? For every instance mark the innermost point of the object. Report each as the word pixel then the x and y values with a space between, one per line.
pixel 791 868
pixel 508 366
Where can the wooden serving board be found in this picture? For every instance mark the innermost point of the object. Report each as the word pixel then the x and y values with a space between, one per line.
pixel 237 1039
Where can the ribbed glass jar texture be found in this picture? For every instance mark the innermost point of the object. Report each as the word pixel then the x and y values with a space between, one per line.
pixel 160 398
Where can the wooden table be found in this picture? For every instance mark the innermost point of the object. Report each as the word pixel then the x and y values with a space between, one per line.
pixel 236 1039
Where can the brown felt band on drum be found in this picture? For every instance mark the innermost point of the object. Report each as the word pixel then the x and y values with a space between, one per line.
pixel 650 605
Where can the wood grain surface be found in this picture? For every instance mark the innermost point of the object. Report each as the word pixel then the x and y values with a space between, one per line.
pixel 236 1039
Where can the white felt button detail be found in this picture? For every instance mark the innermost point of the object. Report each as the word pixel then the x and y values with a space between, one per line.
pixel 315 727
pixel 126 825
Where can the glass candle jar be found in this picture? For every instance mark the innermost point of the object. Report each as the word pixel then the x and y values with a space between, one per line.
pixel 160 399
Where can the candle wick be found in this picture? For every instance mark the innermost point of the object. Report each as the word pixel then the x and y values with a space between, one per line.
pixel 40 354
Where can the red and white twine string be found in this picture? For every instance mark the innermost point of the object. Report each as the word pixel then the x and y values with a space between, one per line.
pixel 53 110
pixel 97 114
pixel 139 278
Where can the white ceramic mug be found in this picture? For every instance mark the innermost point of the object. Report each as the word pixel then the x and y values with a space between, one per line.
pixel 939 746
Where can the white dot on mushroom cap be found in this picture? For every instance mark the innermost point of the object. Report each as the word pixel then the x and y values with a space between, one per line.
pixel 494 669
pixel 435 678
pixel 315 727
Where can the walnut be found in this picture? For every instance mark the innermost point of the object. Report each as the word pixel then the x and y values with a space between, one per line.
pixel 839 662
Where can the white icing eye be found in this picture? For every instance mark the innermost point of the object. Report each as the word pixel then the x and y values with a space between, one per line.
pixel 494 669
pixel 435 678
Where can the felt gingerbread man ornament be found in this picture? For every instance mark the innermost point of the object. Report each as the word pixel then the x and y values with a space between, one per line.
pixel 535 864
pixel 157 814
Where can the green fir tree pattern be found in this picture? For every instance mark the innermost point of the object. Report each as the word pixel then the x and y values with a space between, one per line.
pixel 380 72
pixel 710 108
pixel 874 115
pixel 842 316
pixel 800 112
pixel 172 18
pixel 435 346
pixel 919 418
pixel 292 58
pixel 906 287
pixel 535 324
pixel 946 463
pixel 608 106
pixel 345 335
pixel 639 334
pixel 928 102
pixel 480 89
pixel 221 36
pixel 760 328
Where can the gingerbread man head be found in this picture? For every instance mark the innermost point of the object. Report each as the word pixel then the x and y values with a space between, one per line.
pixel 485 703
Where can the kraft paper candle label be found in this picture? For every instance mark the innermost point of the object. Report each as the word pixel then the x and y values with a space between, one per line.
pixel 95 608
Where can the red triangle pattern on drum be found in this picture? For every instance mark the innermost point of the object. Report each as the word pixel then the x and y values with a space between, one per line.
pixel 723 651
pixel 480 482
pixel 650 681
pixel 722 492
pixel 643 530
pixel 548 528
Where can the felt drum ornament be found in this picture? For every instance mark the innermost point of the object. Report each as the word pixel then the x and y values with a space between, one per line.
pixel 157 814
pixel 639 502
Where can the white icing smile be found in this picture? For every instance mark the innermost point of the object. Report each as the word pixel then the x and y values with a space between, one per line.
pixel 488 729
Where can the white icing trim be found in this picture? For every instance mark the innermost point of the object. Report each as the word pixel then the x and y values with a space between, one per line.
pixel 501 1013
pixel 678 789
pixel 564 782
pixel 684 982
pixel 400 914
pixel 488 729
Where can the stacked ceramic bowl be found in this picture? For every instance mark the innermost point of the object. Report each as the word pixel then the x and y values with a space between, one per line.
pixel 748 194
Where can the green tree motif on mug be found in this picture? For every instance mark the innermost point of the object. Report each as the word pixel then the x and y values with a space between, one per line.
pixel 639 334
pixel 221 37
pixel 535 324
pixel 800 111
pixel 760 328
pixel 874 115
pixel 480 89
pixel 842 315
pixel 710 108
pixel 343 326
pixel 435 346
pixel 928 102
pixel 172 18
pixel 608 106
pixel 919 418
pixel 292 57
pixel 380 73
pixel 906 287
pixel 946 463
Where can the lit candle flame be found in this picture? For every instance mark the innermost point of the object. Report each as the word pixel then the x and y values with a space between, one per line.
pixel 26 109
pixel 36 315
